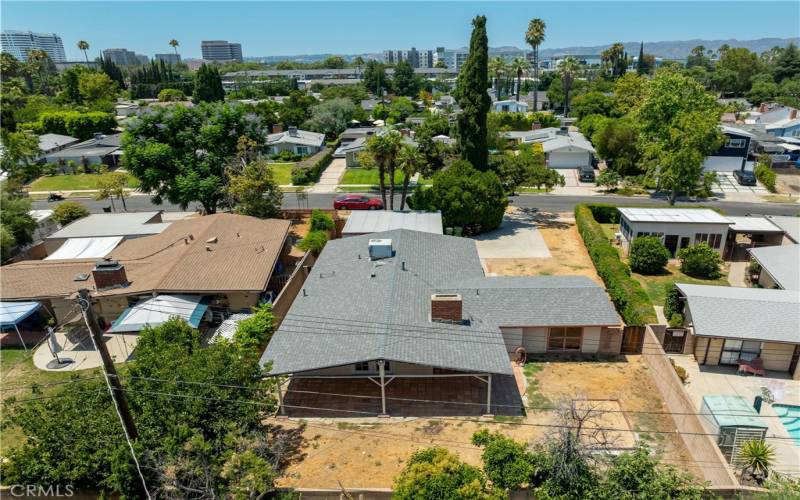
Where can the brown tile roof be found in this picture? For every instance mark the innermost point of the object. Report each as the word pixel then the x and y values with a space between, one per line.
pixel 215 253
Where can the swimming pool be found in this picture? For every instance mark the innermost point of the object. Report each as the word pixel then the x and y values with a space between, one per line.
pixel 790 417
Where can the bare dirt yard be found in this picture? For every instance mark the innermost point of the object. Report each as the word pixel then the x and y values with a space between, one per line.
pixel 568 255
pixel 371 452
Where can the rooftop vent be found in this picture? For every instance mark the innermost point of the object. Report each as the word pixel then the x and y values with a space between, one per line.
pixel 380 249
pixel 293 132
pixel 446 307
pixel 81 277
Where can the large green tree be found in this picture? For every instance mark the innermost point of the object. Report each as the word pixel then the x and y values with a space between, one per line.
pixel 180 154
pixel 331 116
pixel 787 64
pixel 15 220
pixel 405 81
pixel 468 199
pixel 742 65
pixel 473 98
pixel 208 85
pixel 679 124
pixel 375 79
pixel 254 191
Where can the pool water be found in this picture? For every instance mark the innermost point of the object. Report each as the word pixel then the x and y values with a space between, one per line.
pixel 790 417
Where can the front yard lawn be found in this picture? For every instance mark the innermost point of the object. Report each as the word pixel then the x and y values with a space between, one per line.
pixel 282 172
pixel 654 285
pixel 73 181
pixel 367 176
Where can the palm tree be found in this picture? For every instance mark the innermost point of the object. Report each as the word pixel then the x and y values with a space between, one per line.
pixel 84 46
pixel 519 66
pixel 757 458
pixel 568 68
pixel 383 149
pixel 497 67
pixel 410 160
pixel 174 44
pixel 534 37
pixel 358 62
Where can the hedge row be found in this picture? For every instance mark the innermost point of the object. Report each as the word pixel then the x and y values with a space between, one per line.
pixel 73 123
pixel 309 170
pixel 630 299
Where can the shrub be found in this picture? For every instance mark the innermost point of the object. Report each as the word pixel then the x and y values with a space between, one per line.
pixel 648 255
pixel 286 156
pixel 435 474
pixel 309 170
pixel 171 95
pixel 766 176
pixel 679 370
pixel 74 123
pixel 700 261
pixel 321 221
pixel 506 462
pixel 609 179
pixel 314 242
pixel 672 303
pixel 604 214
pixel 69 211
pixel 676 320
pixel 256 331
pixel 630 299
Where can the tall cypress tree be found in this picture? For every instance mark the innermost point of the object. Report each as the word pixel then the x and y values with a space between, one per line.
pixel 208 85
pixel 474 100
pixel 641 67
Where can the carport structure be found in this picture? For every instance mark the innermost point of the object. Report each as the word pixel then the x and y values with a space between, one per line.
pixel 750 232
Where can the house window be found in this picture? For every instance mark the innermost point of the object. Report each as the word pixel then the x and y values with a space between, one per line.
pixel 700 237
pixel 302 150
pixel 714 240
pixel 363 366
pixel 565 339
pixel 735 143
pixel 734 350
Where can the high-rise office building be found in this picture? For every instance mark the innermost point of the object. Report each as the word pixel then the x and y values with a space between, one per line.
pixel 221 50
pixel 168 58
pixel 19 43
pixel 125 57
pixel 417 58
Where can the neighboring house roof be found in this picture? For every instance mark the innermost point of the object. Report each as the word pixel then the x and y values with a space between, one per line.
pixel 353 309
pixel 49 142
pixel 743 313
pixel 783 124
pixel 567 143
pixel 353 146
pixel 100 146
pixel 200 255
pixel 790 225
pixel 508 102
pixel 364 222
pixel 681 215
pixel 356 132
pixel 40 215
pixel 735 131
pixel 119 224
pixel 85 248
pixel 300 137
pixel 753 224
pixel 782 262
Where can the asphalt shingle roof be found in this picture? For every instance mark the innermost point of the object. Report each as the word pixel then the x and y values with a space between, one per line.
pixel 744 313
pixel 353 309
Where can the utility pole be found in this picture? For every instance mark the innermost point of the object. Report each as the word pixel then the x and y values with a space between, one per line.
pixel 115 386
pixel 112 380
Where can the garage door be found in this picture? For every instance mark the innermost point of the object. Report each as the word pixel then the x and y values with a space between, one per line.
pixel 568 160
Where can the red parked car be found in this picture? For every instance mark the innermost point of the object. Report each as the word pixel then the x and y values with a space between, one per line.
pixel 357 202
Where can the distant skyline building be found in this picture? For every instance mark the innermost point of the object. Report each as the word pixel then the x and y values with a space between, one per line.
pixel 169 58
pixel 417 58
pixel 125 57
pixel 221 50
pixel 19 43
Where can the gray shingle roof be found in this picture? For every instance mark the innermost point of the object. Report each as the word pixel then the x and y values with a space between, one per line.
pixel 302 137
pixel 346 315
pixel 744 313
pixel 782 262
pixel 789 225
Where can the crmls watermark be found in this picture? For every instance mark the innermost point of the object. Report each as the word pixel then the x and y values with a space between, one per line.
pixel 38 490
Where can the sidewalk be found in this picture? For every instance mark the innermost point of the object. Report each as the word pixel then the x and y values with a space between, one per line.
pixel 329 179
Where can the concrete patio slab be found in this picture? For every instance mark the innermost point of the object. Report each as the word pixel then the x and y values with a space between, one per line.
pixel 517 238
pixel 77 346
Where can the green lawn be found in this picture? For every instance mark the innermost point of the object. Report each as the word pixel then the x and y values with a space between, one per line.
pixel 364 176
pixel 654 285
pixel 282 172
pixel 72 181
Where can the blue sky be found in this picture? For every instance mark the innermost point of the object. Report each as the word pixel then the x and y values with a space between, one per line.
pixel 284 28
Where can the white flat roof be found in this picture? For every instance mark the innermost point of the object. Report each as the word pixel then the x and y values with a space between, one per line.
pixel 677 215
pixel 119 224
pixel 364 222
pixel 754 224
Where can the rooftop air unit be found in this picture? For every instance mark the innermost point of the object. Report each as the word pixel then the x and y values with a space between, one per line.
pixel 380 249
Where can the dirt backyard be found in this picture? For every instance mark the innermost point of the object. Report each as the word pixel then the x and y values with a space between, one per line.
pixel 568 255
pixel 370 453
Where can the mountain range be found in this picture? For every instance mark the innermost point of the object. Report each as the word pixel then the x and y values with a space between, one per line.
pixel 676 49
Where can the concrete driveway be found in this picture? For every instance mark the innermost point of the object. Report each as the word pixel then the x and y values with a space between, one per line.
pixel 516 238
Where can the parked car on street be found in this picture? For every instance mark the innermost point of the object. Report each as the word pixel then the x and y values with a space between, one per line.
pixel 357 202
pixel 586 174
pixel 745 177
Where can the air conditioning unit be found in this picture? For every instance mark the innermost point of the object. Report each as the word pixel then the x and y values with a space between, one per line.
pixel 380 249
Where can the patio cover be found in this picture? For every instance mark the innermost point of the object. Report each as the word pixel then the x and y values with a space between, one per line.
pixel 158 310
pixel 85 248
pixel 13 313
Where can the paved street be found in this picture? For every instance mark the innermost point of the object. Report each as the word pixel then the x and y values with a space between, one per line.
pixel 544 202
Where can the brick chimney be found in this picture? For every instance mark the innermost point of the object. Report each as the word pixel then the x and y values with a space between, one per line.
pixel 108 274
pixel 277 128
pixel 446 307
pixel 793 114
pixel 762 108
pixel 536 126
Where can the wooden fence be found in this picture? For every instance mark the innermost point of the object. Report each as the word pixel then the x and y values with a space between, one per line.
pixel 293 286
